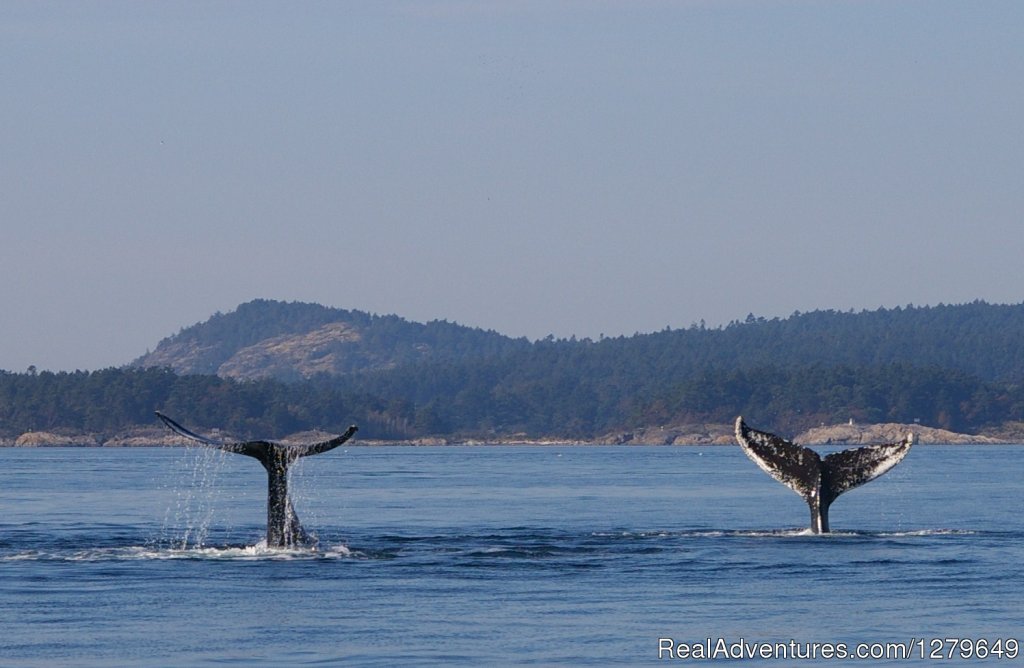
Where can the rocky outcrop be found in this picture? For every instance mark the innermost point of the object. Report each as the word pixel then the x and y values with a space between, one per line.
pixel 1009 432
pixel 144 438
pixel 839 434
pixel 183 356
pixel 855 434
pixel 686 434
pixel 33 439
pixel 323 350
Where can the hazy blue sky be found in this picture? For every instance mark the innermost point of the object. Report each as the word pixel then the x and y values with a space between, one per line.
pixel 586 168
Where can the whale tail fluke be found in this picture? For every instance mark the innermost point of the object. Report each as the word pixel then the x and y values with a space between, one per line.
pixel 794 466
pixel 182 431
pixel 852 468
pixel 283 526
pixel 818 480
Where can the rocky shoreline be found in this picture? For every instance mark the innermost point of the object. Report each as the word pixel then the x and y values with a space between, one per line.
pixel 689 434
pixel 839 434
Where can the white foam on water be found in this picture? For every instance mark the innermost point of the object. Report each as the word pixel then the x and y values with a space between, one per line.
pixel 258 552
pixel 928 532
pixel 780 533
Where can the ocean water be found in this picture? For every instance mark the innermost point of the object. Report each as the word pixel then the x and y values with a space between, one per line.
pixel 504 556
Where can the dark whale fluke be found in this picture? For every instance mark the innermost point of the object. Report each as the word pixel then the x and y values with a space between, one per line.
pixel 819 480
pixel 283 528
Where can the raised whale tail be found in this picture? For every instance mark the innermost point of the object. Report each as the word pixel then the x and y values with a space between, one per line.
pixel 259 449
pixel 283 527
pixel 818 480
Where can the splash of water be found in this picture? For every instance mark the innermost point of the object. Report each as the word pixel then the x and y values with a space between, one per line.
pixel 302 486
pixel 187 522
pixel 189 519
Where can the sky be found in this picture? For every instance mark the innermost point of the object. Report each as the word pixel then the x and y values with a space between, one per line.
pixel 586 168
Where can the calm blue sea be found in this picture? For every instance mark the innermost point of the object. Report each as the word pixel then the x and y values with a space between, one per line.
pixel 498 556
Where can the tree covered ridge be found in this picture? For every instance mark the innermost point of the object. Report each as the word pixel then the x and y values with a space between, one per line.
pixel 955 367
pixel 375 342
pixel 977 338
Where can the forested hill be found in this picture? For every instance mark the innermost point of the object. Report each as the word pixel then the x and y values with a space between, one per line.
pixel 955 367
pixel 981 339
pixel 293 341
pixel 296 341
pixel 274 368
pixel 958 367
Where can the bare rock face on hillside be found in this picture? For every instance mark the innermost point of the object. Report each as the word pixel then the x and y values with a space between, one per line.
pixel 304 355
pixel 182 356
pixel 296 341
pixel 330 348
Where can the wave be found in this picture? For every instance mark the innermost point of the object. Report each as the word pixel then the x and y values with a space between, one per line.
pixel 516 543
pixel 930 532
pixel 784 533
pixel 258 552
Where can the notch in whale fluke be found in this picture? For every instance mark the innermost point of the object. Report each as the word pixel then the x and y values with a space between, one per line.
pixel 819 480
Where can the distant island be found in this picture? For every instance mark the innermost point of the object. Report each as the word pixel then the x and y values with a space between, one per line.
pixel 270 369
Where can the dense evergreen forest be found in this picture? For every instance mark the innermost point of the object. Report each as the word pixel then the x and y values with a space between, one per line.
pixel 956 367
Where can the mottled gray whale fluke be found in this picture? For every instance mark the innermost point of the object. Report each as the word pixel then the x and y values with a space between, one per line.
pixel 819 480
pixel 283 527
